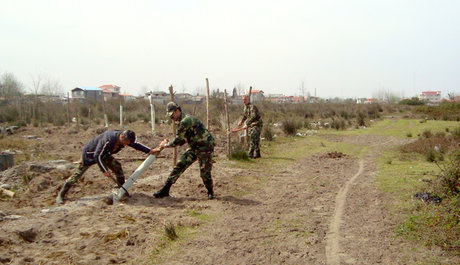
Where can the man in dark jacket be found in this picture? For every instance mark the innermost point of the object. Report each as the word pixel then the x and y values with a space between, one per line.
pixel 201 142
pixel 99 151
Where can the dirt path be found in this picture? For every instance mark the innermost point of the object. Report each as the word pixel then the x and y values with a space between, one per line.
pixel 333 236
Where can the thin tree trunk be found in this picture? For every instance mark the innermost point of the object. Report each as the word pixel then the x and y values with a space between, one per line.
pixel 207 104
pixel 228 124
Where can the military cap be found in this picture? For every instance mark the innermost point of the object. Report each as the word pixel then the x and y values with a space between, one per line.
pixel 170 108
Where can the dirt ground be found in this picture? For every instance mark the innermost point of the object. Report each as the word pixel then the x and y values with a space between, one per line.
pixel 322 209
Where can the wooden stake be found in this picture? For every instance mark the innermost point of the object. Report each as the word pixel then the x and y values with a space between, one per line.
pixel 152 114
pixel 68 109
pixel 171 93
pixel 247 129
pixel 228 124
pixel 106 121
pixel 207 104
pixel 121 115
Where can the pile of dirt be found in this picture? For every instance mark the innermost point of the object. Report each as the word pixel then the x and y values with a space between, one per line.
pixel 334 154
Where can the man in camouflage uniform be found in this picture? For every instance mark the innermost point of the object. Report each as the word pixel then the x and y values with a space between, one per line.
pixel 99 151
pixel 253 122
pixel 201 142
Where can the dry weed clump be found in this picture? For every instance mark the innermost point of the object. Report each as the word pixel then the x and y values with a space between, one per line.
pixel 433 146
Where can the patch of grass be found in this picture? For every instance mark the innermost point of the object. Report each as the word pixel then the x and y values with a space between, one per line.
pixel 431 225
pixel 170 231
pixel 196 213
pixel 400 127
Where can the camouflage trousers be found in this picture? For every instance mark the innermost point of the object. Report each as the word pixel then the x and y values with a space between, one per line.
pixel 111 163
pixel 205 159
pixel 254 141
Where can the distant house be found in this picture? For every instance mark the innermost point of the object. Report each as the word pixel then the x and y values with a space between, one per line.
pixel 158 97
pixel 127 97
pixel 300 99
pixel 87 92
pixel 371 101
pixel 257 95
pixel 430 96
pixel 110 91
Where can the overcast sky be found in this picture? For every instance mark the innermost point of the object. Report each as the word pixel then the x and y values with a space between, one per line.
pixel 342 48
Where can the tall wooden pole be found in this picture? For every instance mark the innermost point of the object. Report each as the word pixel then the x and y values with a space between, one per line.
pixel 78 115
pixel 121 115
pixel 171 93
pixel 207 103
pixel 228 124
pixel 152 114
pixel 247 129
pixel 106 121
pixel 68 109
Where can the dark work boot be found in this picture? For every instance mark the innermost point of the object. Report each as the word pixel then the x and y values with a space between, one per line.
pixel 251 155
pixel 164 192
pixel 121 180
pixel 257 155
pixel 61 195
pixel 209 187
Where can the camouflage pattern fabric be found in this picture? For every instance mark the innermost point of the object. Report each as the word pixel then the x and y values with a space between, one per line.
pixel 254 141
pixel 254 122
pixel 193 131
pixel 205 159
pixel 111 163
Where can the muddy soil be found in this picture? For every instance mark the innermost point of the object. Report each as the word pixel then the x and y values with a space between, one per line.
pixel 322 209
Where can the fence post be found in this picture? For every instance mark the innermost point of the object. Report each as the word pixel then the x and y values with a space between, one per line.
pixel 171 93
pixel 228 124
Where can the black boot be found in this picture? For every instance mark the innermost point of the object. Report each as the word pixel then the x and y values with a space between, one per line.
pixel 251 154
pixel 121 180
pixel 257 155
pixel 164 192
pixel 209 187
pixel 61 196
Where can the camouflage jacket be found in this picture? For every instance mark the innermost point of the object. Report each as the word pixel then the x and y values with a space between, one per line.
pixel 192 131
pixel 252 116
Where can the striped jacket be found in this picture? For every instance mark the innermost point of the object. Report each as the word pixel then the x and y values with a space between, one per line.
pixel 102 146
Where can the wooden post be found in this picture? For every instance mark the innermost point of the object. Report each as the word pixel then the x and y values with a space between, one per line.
pixel 68 109
pixel 77 115
pixel 121 115
pixel 106 120
pixel 247 129
pixel 171 93
pixel 228 124
pixel 152 114
pixel 207 104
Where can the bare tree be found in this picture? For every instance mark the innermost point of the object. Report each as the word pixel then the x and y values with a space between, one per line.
pixel 10 86
pixel 52 88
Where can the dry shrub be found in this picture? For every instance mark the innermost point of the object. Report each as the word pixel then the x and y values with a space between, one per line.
pixel 433 144
pixel 267 132
pixel 290 127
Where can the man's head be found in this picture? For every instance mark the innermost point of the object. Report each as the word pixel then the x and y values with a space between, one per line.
pixel 173 111
pixel 127 137
pixel 245 99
